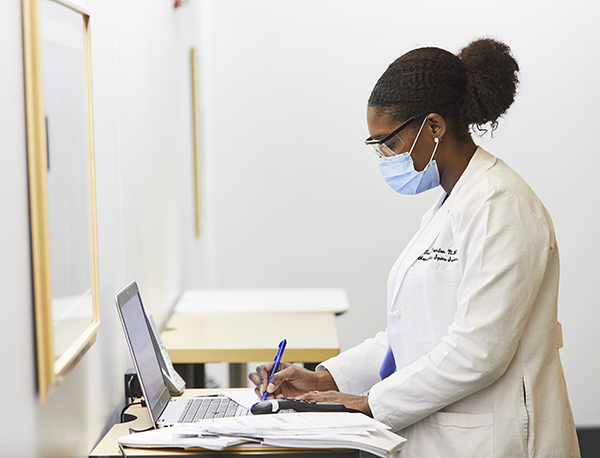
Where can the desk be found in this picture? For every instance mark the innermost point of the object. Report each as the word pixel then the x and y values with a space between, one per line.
pixel 246 337
pixel 107 447
pixel 263 300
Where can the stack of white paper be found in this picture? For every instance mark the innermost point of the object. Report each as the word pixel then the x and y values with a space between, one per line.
pixel 312 430
pixel 298 430
pixel 380 442
pixel 305 423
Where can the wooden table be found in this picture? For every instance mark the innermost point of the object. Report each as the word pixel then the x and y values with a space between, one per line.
pixel 108 448
pixel 247 337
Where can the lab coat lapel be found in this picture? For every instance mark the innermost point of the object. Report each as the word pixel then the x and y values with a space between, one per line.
pixel 430 229
pixel 433 221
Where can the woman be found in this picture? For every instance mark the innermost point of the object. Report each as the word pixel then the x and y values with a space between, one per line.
pixel 469 361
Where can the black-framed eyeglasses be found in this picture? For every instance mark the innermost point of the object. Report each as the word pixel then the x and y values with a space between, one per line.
pixel 391 144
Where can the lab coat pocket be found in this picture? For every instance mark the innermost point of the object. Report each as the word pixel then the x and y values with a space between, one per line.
pixel 453 435
pixel 426 303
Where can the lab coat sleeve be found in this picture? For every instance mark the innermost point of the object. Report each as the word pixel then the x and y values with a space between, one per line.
pixel 505 242
pixel 356 370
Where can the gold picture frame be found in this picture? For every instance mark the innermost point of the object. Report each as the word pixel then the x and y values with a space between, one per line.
pixel 76 332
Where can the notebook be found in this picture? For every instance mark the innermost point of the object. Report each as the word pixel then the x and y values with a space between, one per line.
pixel 164 410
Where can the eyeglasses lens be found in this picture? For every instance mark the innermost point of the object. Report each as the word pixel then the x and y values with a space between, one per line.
pixel 391 147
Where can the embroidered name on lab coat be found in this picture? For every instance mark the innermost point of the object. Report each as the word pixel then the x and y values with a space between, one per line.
pixel 439 255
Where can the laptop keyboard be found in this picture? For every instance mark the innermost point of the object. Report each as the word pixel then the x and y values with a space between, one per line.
pixel 201 408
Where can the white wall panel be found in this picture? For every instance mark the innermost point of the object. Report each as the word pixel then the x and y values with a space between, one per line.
pixel 297 198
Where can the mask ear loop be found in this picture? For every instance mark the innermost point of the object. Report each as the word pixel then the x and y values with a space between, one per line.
pixel 437 142
pixel 417 137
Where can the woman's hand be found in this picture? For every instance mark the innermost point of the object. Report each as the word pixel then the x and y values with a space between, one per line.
pixel 290 381
pixel 349 400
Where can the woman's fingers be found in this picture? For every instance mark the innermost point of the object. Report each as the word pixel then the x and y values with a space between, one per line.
pixel 349 400
pixel 261 375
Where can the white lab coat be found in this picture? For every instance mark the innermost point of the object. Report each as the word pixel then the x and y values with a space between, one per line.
pixel 472 321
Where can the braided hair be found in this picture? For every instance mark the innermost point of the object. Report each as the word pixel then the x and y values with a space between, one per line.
pixel 473 88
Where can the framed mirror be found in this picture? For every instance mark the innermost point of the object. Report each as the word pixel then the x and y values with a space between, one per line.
pixel 60 144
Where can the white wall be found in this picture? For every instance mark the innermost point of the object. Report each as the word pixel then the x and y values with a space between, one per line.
pixel 296 199
pixel 142 109
pixel 16 337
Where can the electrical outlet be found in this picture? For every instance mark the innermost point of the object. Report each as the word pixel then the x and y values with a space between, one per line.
pixel 132 385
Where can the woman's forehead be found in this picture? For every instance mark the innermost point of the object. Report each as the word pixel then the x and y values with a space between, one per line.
pixel 380 123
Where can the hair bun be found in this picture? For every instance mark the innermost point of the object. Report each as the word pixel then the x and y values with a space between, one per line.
pixel 492 79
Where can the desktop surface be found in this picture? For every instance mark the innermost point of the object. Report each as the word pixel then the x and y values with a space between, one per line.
pixel 108 448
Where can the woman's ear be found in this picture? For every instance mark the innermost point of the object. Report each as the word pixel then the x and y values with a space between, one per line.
pixel 436 125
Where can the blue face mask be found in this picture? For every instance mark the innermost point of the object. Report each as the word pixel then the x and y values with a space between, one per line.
pixel 400 174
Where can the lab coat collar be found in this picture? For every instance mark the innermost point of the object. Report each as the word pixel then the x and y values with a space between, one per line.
pixel 480 163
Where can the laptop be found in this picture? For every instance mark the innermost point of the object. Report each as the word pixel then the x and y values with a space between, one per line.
pixel 164 410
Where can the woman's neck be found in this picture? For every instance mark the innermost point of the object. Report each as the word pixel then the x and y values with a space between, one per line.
pixel 455 159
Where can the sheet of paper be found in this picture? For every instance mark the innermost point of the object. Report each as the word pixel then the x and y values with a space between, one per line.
pixel 180 437
pixel 246 398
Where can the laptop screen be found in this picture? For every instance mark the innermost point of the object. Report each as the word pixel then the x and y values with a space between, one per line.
pixel 137 333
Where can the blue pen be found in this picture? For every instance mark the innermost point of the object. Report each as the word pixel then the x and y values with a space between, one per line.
pixel 275 366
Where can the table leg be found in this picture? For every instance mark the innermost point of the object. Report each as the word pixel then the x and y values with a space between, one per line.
pixel 193 374
pixel 237 375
